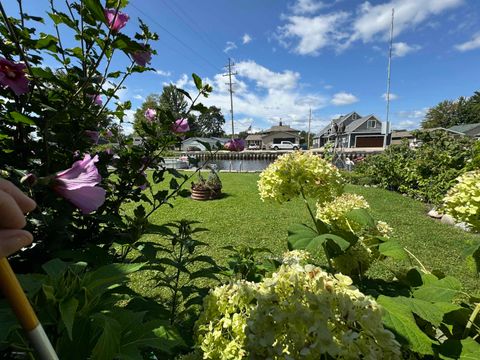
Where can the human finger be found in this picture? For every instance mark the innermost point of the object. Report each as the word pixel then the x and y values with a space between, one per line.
pixel 24 202
pixel 11 216
pixel 13 240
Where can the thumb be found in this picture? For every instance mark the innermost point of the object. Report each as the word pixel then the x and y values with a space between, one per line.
pixel 13 240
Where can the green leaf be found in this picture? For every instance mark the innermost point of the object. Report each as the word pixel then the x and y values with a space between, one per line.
pixel 362 217
pixel 393 249
pixel 338 243
pixel 470 350
pixel 54 268
pixel 48 42
pixel 431 312
pixel 184 93
pixel 443 290
pixel 100 280
pixel 95 9
pixel 467 349
pixel 20 118
pixel 108 344
pixel 68 309
pixel 8 321
pixel 399 318
pixel 114 3
pixel 198 81
pixel 299 235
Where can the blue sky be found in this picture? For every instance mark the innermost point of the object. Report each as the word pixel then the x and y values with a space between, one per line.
pixel 330 56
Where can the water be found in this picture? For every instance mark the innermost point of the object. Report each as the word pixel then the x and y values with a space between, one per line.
pixel 241 165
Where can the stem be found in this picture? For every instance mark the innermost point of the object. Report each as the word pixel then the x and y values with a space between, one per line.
pixel 59 38
pixel 177 281
pixel 416 259
pixel 11 30
pixel 324 245
pixel 471 320
pixel 82 41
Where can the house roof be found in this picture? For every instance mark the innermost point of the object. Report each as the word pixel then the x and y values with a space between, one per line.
pixel 280 127
pixel 212 140
pixel 444 129
pixel 253 137
pixel 338 121
pixel 401 134
pixel 469 129
pixel 356 123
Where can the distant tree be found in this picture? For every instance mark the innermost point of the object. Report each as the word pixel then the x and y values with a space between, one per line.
pixel 153 102
pixel 171 100
pixel 444 114
pixel 210 123
pixel 449 113
pixel 242 135
pixel 304 137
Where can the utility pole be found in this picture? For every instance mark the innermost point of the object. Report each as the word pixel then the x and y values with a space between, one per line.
pixel 309 124
pixel 387 127
pixel 229 74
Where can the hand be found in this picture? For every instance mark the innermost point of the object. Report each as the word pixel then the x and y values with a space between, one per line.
pixel 13 204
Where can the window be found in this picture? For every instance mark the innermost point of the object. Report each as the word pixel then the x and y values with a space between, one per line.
pixel 371 124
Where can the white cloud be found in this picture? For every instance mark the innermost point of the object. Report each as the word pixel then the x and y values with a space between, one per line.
pixel 306 33
pixel 138 97
pixel 343 98
pixel 261 93
pixel 375 20
pixel 180 83
pixel 400 49
pixel 266 78
pixel 409 119
pixel 163 73
pixel 313 33
pixel 246 39
pixel 392 96
pixel 306 6
pixel 229 46
pixel 128 119
pixel 472 44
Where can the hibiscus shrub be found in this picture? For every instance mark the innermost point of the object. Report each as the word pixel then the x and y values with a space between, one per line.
pixel 61 142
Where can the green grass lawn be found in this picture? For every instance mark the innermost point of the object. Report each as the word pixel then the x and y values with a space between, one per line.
pixel 240 217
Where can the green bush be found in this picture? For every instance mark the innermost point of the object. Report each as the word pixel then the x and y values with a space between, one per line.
pixel 425 173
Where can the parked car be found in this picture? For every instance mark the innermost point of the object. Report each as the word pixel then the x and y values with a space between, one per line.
pixel 253 147
pixel 285 145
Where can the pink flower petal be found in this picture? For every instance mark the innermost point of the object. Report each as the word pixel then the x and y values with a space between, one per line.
pixel 87 199
pixel 82 173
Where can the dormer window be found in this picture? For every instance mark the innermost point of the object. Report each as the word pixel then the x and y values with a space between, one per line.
pixel 371 124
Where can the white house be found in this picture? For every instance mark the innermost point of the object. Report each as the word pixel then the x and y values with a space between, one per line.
pixel 195 143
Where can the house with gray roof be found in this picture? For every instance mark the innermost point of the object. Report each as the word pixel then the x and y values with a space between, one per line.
pixel 352 131
pixel 471 130
pixel 274 135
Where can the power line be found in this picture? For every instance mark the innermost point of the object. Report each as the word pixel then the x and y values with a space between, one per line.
pixel 229 74
pixel 186 19
pixel 175 37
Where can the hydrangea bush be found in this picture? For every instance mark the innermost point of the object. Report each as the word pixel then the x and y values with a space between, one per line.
pixel 463 200
pixel 300 173
pixel 300 312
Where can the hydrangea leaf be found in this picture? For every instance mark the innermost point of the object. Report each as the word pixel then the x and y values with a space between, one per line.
pixel 399 318
pixel 393 249
pixel 443 290
pixel 299 235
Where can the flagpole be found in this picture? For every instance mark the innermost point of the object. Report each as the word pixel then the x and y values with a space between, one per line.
pixel 387 127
